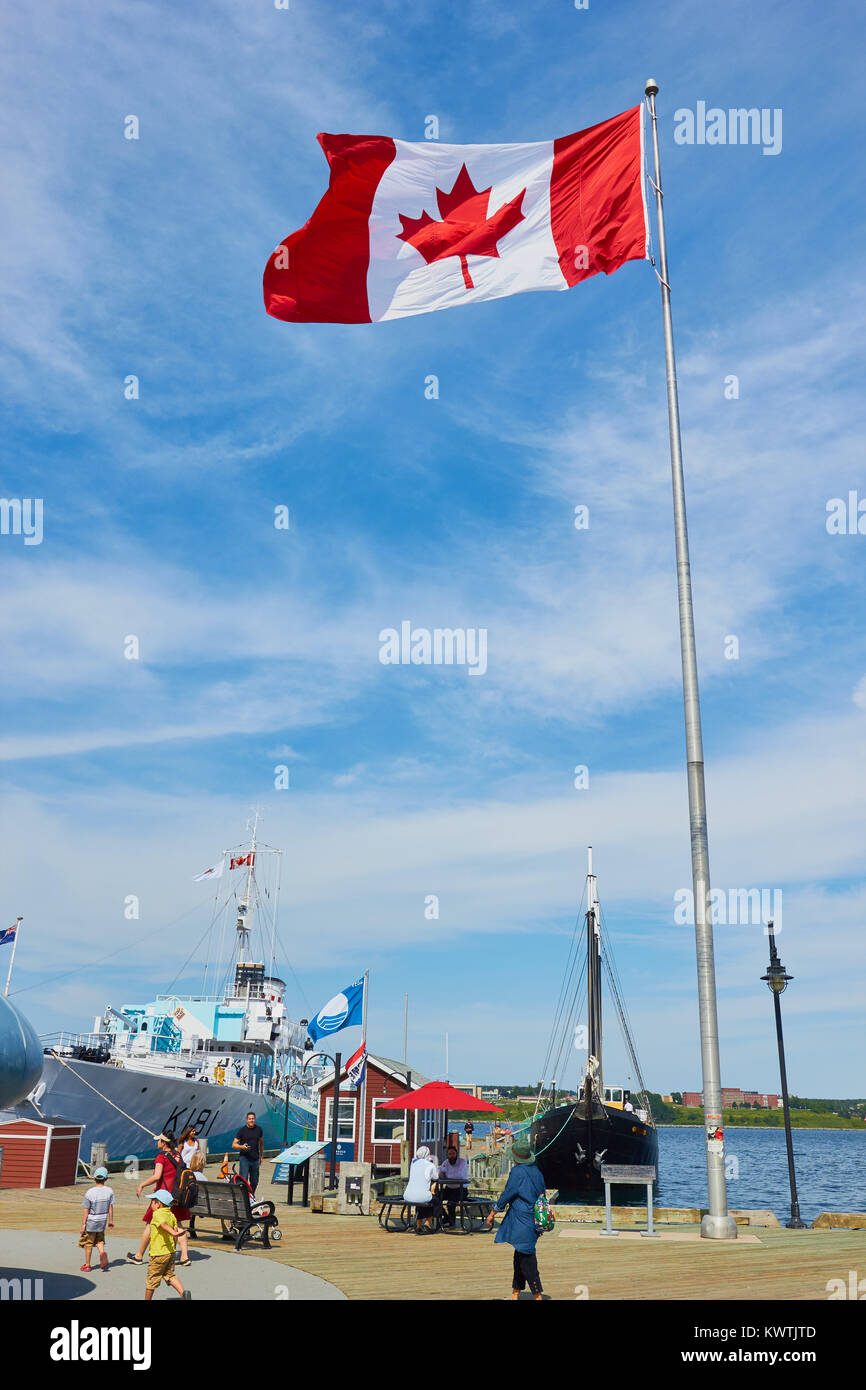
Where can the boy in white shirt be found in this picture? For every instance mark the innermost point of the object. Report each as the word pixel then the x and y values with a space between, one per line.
pixel 99 1211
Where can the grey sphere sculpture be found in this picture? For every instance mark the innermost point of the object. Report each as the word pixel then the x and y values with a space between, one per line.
pixel 20 1055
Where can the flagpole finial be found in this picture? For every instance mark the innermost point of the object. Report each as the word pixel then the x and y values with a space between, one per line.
pixel 652 87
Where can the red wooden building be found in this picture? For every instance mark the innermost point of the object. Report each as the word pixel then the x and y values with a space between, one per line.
pixel 42 1152
pixel 367 1136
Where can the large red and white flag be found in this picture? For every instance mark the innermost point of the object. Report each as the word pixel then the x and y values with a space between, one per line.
pixel 408 228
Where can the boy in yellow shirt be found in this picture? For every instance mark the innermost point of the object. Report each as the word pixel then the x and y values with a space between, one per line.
pixel 163 1233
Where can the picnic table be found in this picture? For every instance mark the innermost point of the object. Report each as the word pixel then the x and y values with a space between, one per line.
pixel 473 1210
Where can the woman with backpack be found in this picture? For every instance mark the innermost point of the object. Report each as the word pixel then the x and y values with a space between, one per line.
pixel 184 1194
pixel 165 1169
pixel 524 1221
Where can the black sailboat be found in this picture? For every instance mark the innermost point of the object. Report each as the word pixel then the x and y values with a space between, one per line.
pixel 604 1125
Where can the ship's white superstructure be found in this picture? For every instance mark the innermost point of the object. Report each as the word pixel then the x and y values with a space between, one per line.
pixel 189 1058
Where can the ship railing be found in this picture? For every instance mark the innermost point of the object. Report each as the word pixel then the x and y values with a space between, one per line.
pixel 62 1041
pixel 193 998
pixel 228 994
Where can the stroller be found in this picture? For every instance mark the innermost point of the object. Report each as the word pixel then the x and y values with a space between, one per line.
pixel 258 1209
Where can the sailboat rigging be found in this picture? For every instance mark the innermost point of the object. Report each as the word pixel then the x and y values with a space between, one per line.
pixel 573 1140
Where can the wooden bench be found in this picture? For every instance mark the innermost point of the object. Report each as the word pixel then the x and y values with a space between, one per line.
pixel 242 1221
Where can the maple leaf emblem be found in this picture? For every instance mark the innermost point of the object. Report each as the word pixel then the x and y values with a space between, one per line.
pixel 465 228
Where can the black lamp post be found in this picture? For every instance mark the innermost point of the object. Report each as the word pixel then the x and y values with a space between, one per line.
pixel 335 1114
pixel 777 982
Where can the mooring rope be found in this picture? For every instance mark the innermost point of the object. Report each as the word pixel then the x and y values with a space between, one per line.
pixel 105 1098
pixel 555 1137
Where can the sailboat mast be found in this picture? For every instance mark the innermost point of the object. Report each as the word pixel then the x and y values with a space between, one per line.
pixel 593 969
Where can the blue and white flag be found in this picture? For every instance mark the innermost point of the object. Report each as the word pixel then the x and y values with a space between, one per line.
pixel 356 1067
pixel 7 935
pixel 344 1010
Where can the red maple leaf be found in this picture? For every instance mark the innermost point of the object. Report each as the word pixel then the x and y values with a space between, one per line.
pixel 465 228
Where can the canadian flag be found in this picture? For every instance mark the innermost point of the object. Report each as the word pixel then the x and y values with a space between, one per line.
pixel 408 228
pixel 245 861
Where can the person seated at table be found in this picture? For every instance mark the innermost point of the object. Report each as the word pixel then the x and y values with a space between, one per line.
pixel 454 1172
pixel 419 1190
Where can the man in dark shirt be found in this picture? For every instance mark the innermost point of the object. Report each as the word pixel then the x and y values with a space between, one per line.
pixel 249 1140
pixel 454 1184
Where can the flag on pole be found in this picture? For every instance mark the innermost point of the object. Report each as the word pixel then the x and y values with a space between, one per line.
pixel 216 871
pixel 8 934
pixel 343 1011
pixel 407 228
pixel 356 1067
pixel 244 861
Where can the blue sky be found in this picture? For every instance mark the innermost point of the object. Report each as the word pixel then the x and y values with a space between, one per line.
pixel 260 647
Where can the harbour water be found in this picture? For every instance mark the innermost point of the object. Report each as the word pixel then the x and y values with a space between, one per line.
pixel 830 1166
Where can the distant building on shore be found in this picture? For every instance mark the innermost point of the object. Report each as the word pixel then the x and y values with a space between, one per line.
pixel 481 1092
pixel 731 1095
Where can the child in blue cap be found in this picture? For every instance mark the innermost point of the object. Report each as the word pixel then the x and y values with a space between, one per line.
pixel 163 1235
pixel 99 1210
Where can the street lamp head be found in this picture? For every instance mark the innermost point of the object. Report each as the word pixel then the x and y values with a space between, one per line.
pixel 777 979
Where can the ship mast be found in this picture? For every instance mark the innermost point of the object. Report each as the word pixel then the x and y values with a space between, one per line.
pixel 243 926
pixel 593 975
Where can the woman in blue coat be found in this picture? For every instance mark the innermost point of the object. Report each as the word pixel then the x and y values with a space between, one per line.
pixel 524 1185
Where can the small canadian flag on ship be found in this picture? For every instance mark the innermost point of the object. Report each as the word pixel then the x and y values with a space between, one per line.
pixel 245 861
pixel 406 228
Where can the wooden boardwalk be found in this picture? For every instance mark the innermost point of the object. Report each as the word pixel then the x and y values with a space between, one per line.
pixel 366 1262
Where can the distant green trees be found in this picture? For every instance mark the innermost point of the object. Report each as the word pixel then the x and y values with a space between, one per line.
pixel 847 1109
pixel 662 1112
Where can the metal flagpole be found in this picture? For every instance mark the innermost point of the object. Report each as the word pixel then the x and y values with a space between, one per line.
pixel 18 921
pixel 717 1224
pixel 335 1123
pixel 362 1118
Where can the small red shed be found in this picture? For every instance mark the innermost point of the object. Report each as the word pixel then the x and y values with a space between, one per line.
pixel 366 1135
pixel 42 1152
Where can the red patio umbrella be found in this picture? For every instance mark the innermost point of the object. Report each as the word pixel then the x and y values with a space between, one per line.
pixel 438 1095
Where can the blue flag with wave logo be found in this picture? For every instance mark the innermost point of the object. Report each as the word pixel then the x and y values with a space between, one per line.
pixel 343 1011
